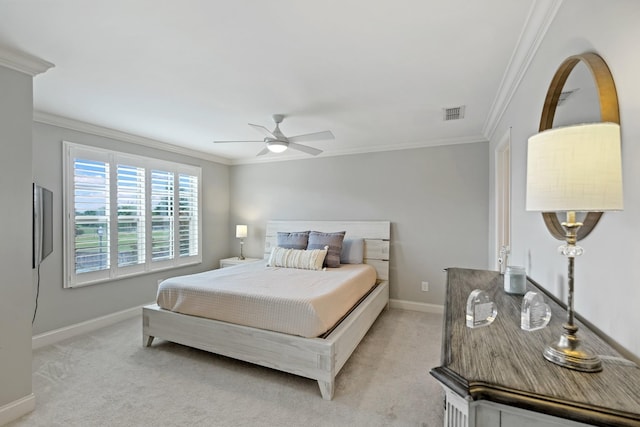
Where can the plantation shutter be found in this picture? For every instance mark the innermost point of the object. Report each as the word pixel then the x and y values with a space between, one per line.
pixel 91 200
pixel 127 215
pixel 131 216
pixel 162 200
pixel 188 215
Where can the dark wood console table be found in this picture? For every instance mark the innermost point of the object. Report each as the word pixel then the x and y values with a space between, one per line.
pixel 496 375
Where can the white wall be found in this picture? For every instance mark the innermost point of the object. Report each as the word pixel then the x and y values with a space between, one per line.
pixel 15 235
pixel 436 199
pixel 58 307
pixel 606 276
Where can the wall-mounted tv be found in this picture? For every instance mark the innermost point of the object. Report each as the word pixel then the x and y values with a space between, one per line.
pixel 42 224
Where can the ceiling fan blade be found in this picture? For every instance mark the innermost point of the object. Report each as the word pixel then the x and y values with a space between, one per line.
pixel 312 136
pixel 264 151
pixel 263 130
pixel 304 148
pixel 225 142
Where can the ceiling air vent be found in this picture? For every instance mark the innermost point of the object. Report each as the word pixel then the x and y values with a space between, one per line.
pixel 454 113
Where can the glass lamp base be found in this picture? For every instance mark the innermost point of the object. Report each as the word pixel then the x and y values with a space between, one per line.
pixel 241 257
pixel 567 352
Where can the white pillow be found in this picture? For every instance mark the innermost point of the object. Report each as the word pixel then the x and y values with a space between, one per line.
pixel 297 258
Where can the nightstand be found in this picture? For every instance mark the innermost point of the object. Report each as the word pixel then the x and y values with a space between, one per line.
pixel 228 262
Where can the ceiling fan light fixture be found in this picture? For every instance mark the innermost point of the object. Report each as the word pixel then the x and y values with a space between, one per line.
pixel 277 146
pixel 277 142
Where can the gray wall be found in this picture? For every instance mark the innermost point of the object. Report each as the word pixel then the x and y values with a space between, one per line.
pixel 436 199
pixel 16 110
pixel 606 277
pixel 59 307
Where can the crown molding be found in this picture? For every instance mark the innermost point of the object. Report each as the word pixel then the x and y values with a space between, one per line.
pixel 539 19
pixel 363 150
pixel 80 126
pixel 23 62
pixel 77 125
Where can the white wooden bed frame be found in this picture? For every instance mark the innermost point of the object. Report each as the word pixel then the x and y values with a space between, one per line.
pixel 317 358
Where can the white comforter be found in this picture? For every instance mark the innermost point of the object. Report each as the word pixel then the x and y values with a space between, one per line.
pixel 288 300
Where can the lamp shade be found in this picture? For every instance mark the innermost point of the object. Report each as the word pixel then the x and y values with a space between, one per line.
pixel 241 231
pixel 575 168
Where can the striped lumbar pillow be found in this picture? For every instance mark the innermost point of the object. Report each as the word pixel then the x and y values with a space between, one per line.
pixel 297 258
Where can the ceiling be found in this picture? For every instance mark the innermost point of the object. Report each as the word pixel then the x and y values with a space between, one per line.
pixel 377 74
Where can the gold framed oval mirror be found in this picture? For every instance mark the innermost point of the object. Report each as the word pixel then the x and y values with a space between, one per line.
pixel 584 70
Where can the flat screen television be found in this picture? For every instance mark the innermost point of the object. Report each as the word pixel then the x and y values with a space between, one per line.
pixel 42 224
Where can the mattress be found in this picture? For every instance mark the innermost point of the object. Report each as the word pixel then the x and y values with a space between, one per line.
pixel 289 300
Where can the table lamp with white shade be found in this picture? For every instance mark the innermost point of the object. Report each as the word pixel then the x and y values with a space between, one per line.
pixel 574 169
pixel 241 233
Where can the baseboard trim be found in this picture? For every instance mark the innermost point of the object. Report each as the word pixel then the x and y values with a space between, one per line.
pixel 14 410
pixel 416 306
pixel 57 335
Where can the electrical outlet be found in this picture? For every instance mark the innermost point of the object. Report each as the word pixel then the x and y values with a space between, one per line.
pixel 425 286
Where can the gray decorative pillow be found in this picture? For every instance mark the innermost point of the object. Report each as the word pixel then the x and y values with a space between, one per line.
pixel 319 240
pixel 352 251
pixel 293 240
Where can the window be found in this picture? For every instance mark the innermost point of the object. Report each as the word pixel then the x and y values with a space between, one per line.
pixel 127 215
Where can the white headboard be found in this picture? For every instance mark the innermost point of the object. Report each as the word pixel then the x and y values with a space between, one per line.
pixel 376 235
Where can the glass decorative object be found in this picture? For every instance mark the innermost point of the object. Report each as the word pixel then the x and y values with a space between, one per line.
pixel 515 280
pixel 503 259
pixel 481 311
pixel 535 313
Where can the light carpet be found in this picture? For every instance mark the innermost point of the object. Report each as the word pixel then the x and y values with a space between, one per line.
pixel 107 378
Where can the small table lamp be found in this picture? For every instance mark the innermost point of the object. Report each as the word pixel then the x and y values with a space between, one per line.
pixel 241 233
pixel 572 169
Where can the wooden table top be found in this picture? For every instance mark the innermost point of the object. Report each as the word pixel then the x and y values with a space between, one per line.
pixel 504 364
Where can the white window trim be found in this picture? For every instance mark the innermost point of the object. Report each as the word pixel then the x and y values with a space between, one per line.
pixel 71 279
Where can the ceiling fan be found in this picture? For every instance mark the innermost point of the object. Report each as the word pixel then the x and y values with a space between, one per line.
pixel 277 142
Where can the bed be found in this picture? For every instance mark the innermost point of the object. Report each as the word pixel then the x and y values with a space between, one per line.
pixel 316 357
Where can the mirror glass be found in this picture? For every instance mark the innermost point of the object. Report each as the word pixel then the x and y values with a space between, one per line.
pixel 579 101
